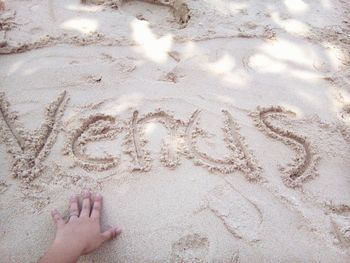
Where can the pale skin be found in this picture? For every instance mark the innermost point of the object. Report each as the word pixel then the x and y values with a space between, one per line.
pixel 81 234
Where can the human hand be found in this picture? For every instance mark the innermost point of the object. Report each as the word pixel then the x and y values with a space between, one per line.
pixel 82 233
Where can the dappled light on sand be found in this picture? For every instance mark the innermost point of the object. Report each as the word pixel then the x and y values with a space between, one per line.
pixel 82 25
pixel 290 25
pixel 227 7
pixel 224 69
pixel 154 48
pixel 296 6
pixel 86 8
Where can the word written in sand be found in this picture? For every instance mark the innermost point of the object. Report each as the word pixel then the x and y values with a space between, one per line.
pixel 181 139
pixel 29 150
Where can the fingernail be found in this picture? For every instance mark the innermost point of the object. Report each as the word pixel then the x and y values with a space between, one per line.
pixel 98 195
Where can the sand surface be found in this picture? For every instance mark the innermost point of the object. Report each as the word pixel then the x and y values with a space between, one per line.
pixel 226 139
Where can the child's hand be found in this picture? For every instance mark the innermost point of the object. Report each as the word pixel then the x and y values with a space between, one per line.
pixel 82 233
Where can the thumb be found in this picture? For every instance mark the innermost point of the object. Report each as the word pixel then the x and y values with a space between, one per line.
pixel 111 233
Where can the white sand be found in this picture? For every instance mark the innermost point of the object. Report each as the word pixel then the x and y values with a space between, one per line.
pixel 223 141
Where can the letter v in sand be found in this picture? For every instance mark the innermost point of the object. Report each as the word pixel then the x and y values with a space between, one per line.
pixel 29 149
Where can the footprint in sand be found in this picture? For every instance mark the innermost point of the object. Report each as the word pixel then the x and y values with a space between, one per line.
pixel 240 216
pixel 179 8
pixel 36 30
pixel 341 230
pixel 190 248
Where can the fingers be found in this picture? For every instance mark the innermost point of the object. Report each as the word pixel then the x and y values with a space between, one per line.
pixel 57 218
pixel 74 207
pixel 96 209
pixel 86 206
pixel 111 233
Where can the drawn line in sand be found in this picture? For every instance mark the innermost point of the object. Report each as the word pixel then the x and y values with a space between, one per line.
pixel 140 157
pixel 9 120
pixel 240 157
pixel 345 131
pixel 341 209
pixel 47 127
pixel 305 162
pixel 94 128
pixel 135 142
pixel 99 38
pixel 28 151
pixel 3 186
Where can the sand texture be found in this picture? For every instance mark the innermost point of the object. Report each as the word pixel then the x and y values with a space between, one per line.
pixel 217 131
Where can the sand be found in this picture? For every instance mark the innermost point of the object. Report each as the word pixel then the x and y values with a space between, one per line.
pixel 217 131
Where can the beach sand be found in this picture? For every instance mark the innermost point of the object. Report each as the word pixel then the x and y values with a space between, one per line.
pixel 223 139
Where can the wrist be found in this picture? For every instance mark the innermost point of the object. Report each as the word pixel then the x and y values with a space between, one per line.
pixel 60 252
pixel 71 252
